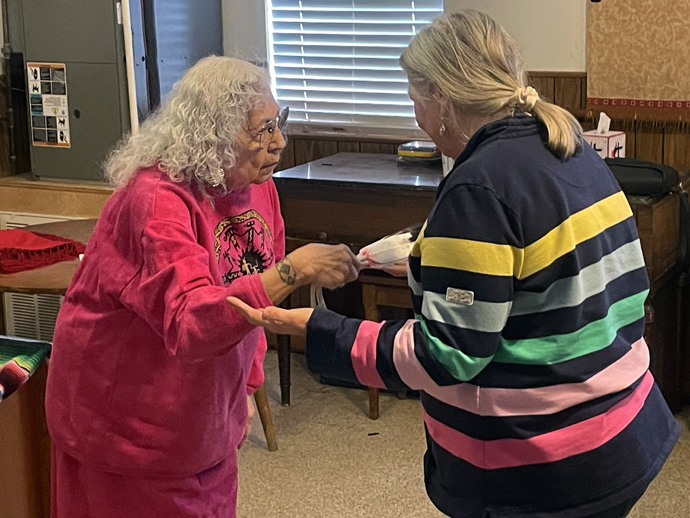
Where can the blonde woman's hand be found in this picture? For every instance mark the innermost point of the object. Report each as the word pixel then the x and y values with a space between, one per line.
pixel 398 269
pixel 277 320
pixel 328 266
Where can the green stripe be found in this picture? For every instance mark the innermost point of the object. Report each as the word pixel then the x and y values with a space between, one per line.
pixel 595 336
pixel 28 355
pixel 29 362
pixel 462 366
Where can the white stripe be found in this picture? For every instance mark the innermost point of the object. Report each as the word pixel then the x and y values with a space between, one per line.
pixel 591 280
pixel 489 317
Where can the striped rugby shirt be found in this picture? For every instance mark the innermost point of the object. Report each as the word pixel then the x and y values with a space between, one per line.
pixel 528 287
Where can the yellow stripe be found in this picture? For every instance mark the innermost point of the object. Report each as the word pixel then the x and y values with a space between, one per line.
pixel 506 260
pixel 471 256
pixel 577 229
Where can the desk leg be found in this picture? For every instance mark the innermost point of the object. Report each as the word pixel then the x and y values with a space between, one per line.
pixel 284 368
pixel 371 312
pixel 373 403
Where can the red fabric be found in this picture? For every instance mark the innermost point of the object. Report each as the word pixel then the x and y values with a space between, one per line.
pixel 22 250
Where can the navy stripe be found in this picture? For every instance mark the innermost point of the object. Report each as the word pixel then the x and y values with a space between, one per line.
pixel 568 320
pixel 487 288
pixel 610 469
pixel 577 370
pixel 328 345
pixel 489 428
pixel 454 213
pixel 479 344
pixel 384 356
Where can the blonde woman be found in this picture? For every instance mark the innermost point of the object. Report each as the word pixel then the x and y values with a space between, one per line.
pixel 528 284
pixel 147 396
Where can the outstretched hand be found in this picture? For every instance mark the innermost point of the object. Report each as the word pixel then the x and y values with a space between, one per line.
pixel 277 320
pixel 397 269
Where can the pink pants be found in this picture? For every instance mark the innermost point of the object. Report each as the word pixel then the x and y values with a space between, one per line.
pixel 78 491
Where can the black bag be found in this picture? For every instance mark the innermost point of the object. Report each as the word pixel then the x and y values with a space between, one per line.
pixel 641 178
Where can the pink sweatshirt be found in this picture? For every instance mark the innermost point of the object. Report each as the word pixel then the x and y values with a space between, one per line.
pixel 150 366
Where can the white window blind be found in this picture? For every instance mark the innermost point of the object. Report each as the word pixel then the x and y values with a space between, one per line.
pixel 335 62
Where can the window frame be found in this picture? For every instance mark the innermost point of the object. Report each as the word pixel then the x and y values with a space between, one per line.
pixel 348 131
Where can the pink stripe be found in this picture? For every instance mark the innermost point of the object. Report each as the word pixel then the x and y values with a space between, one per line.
pixel 412 373
pixel 363 354
pixel 501 402
pixel 549 400
pixel 549 447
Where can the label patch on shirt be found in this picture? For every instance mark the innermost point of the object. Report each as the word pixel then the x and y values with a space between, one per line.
pixel 244 245
pixel 458 296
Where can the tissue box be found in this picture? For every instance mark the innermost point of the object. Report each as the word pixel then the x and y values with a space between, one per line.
pixel 610 144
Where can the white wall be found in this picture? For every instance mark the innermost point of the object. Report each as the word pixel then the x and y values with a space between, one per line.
pixel 551 33
pixel 244 29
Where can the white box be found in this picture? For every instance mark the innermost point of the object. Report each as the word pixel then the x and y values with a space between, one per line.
pixel 608 145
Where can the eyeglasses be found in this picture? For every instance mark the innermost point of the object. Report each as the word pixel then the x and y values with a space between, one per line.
pixel 265 135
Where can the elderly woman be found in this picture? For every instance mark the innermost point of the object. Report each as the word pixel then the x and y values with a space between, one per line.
pixel 528 285
pixel 147 397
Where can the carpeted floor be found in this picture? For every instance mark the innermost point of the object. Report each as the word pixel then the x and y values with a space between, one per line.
pixel 334 462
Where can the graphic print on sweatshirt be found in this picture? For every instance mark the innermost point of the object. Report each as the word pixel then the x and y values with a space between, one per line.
pixel 243 245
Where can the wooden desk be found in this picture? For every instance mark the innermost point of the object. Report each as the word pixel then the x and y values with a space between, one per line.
pixel 357 198
pixel 353 198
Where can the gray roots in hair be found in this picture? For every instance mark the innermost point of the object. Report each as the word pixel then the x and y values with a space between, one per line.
pixel 192 137
pixel 476 63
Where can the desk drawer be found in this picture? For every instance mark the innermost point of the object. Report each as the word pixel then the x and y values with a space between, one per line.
pixel 356 216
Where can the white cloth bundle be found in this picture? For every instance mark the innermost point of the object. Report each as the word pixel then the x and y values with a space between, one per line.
pixel 386 251
pixel 377 255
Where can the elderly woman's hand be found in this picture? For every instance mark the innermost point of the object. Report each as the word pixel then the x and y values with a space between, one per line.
pixel 277 320
pixel 329 266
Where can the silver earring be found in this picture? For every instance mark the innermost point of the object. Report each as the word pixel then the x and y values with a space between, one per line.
pixel 442 129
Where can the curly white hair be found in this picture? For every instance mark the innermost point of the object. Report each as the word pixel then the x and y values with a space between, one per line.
pixel 193 135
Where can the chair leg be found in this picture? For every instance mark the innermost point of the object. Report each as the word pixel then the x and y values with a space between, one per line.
pixel 266 419
pixel 284 368
pixel 373 403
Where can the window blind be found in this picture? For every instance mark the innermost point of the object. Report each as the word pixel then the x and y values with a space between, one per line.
pixel 335 62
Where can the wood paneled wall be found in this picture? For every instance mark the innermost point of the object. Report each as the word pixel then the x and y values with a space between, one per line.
pixel 647 141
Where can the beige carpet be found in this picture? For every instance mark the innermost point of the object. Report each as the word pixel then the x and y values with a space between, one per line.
pixel 333 461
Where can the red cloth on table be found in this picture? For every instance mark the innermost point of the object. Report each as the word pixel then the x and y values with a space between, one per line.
pixel 22 250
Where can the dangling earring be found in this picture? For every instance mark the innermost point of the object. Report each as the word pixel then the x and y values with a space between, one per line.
pixel 442 129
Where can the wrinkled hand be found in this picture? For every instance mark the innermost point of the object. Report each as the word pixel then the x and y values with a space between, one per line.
pixel 250 416
pixel 398 269
pixel 329 266
pixel 277 320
